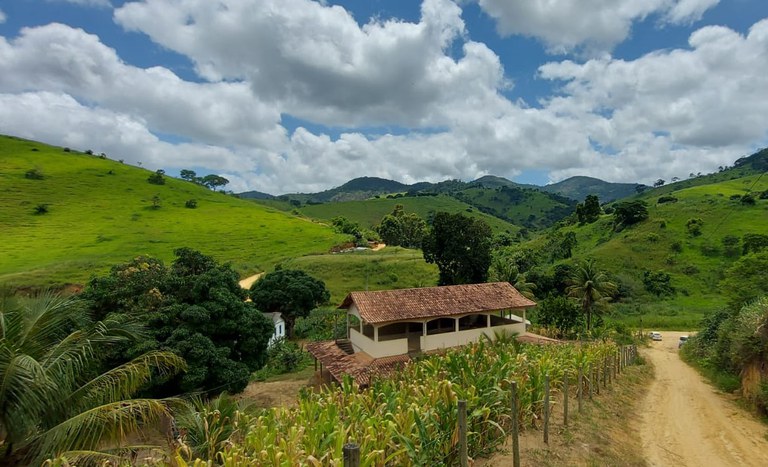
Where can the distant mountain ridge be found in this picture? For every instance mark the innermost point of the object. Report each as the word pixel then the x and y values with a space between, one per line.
pixel 577 188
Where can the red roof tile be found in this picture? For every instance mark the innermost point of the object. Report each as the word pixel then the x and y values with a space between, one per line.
pixel 384 306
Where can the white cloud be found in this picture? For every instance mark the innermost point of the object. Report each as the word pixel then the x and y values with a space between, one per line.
pixel 320 65
pixel 668 113
pixel 96 3
pixel 2 17
pixel 596 25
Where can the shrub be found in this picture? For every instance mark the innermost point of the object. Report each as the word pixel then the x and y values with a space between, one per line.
pixel 658 283
pixel 735 197
pixel 690 269
pixel 764 195
pixel 666 199
pixel 710 249
pixel 748 200
pixel 190 203
pixel 676 246
pixel 41 209
pixel 694 226
pixel 731 245
pixel 33 174
pixel 652 237
pixel 157 178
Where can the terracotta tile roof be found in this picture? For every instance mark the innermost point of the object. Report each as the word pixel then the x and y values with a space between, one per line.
pixel 384 306
pixel 359 365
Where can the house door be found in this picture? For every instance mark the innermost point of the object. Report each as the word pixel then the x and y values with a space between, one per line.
pixel 414 337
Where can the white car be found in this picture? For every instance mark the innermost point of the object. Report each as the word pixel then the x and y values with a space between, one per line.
pixel 656 336
pixel 683 340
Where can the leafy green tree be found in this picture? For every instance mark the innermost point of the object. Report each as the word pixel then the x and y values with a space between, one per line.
pixel 461 248
pixel 401 229
pixel 188 175
pixel 195 308
pixel 629 213
pixel 55 396
pixel 157 178
pixel 658 283
pixel 557 312
pixel 345 226
pixel 291 292
pixel 746 280
pixel 748 199
pixel 588 211
pixel 591 287
pixel 213 181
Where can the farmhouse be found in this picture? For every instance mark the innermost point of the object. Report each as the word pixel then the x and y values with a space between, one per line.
pixel 388 327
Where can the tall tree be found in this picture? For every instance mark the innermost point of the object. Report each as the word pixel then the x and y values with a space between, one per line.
pixel 630 212
pixel 503 269
pixel 291 292
pixel 195 308
pixel 401 229
pixel 461 248
pixel 590 286
pixel 588 211
pixel 213 181
pixel 188 175
pixel 55 396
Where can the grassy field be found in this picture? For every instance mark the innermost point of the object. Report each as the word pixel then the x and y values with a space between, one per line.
pixel 100 213
pixel 390 268
pixel 368 213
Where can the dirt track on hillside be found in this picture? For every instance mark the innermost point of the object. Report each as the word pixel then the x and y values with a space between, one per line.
pixel 687 422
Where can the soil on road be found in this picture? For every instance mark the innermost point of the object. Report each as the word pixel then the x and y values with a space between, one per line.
pixel 687 422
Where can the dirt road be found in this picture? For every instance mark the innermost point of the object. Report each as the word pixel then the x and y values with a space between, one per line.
pixel 686 422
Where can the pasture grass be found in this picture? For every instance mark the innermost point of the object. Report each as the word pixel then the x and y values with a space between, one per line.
pixel 101 213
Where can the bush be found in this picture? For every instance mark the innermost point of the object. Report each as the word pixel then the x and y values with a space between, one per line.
pixel 676 246
pixel 731 245
pixel 734 197
pixel 764 195
pixel 748 200
pixel 694 226
pixel 41 209
pixel 157 178
pixel 33 174
pixel 666 199
pixel 658 283
pixel 190 203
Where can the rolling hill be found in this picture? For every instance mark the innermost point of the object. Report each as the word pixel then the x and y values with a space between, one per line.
pixel 101 212
pixel 578 188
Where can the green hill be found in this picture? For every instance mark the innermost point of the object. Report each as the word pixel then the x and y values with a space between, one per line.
pixel 663 243
pixel 100 212
pixel 368 213
pixel 579 187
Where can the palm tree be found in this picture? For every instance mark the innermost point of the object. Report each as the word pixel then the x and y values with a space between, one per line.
pixel 53 398
pixel 504 270
pixel 590 286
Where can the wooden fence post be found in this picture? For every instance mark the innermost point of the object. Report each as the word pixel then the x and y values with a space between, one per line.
pixel 565 399
pixel 546 408
pixel 463 456
pixel 515 428
pixel 597 379
pixel 351 455
pixel 580 390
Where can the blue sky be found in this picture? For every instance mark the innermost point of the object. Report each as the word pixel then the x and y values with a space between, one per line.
pixel 298 95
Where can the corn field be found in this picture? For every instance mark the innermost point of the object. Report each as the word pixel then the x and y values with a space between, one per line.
pixel 411 418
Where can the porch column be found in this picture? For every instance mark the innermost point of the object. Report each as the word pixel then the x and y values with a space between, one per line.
pixel 376 333
pixel 424 328
pixel 525 326
pixel 456 325
pixel 488 320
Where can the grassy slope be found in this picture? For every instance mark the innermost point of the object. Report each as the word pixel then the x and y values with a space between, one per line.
pixel 97 219
pixel 390 268
pixel 529 207
pixel 368 213
pixel 648 246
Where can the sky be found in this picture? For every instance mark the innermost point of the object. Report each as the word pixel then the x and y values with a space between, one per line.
pixel 287 96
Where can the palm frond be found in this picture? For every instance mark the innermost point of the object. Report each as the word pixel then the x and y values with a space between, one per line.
pixel 100 428
pixel 124 381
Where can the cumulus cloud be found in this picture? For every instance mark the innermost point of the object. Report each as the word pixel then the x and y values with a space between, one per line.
pixel 664 114
pixel 2 17
pixel 595 25
pixel 318 64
